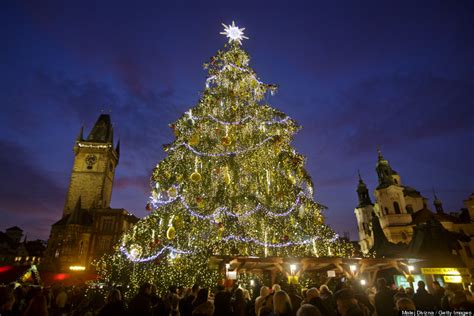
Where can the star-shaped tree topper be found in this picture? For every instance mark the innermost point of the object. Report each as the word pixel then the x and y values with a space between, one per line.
pixel 234 33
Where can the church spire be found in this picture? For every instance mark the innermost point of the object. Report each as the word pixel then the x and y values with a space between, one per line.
pixel 80 137
pixel 385 173
pixel 103 131
pixel 437 203
pixel 117 149
pixel 363 193
pixel 379 153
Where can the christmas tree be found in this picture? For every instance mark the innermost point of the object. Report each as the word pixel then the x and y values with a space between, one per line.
pixel 231 184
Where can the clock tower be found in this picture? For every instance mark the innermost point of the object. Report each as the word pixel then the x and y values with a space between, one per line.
pixel 94 165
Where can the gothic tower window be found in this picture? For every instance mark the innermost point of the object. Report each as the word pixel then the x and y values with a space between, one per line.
pixel 397 208
pixel 385 211
pixel 409 209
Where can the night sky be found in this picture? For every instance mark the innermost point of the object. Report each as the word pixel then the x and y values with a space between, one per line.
pixel 399 74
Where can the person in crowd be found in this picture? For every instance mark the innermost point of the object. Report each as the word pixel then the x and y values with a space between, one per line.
pixel 222 301
pixel 238 303
pixel 267 306
pixel 201 297
pixel 384 304
pixel 422 299
pixel 174 305
pixel 409 293
pixel 186 303
pixel 7 300
pixel 327 299
pixel 438 293
pixel 362 298
pixel 308 310
pixel 459 302
pixel 264 291
pixel 141 304
pixel 276 288
pixel 313 298
pixel 114 305
pixel 294 298
pixel 201 305
pixel 37 306
pixel 347 303
pixel 405 304
pixel 447 297
pixel 282 304
pixel 61 301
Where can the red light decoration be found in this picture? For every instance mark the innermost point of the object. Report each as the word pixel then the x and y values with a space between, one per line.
pixel 5 269
pixel 61 276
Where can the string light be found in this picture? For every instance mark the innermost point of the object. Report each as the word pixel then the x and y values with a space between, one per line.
pixel 224 210
pixel 229 153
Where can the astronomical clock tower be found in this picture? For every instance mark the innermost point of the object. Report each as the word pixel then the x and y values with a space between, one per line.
pixel 89 227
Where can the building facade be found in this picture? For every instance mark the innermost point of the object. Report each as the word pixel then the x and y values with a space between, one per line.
pixel 89 227
pixel 399 208
pixel 17 252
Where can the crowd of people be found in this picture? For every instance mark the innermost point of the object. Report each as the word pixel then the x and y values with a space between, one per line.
pixel 348 299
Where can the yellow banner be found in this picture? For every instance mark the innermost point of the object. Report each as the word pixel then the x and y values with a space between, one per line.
pixel 446 271
pixel 452 278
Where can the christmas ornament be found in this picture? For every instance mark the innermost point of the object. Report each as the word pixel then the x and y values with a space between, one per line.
pixel 200 202
pixel 171 233
pixel 195 177
pixel 226 141
pixel 227 178
pixel 286 238
pixel 148 207
pixel 135 251
pixel 194 140
pixel 172 192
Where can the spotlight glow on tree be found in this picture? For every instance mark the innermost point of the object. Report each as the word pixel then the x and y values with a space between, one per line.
pixel 230 185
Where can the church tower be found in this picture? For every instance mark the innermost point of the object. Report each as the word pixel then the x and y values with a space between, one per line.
pixel 363 213
pixel 395 202
pixel 94 167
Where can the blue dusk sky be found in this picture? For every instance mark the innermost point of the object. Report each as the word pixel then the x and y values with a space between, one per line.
pixel 353 74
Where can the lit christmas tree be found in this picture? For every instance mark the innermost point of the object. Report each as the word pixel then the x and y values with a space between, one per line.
pixel 230 185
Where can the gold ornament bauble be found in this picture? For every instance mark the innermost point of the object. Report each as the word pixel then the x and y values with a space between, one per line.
pixel 226 141
pixel 172 192
pixel 227 179
pixel 179 178
pixel 195 177
pixel 194 140
pixel 171 233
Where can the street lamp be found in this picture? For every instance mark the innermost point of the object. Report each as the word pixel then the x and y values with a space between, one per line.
pixel 353 268
pixel 363 282
pixel 227 267
pixel 292 268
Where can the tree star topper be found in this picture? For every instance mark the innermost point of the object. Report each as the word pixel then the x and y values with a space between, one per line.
pixel 234 33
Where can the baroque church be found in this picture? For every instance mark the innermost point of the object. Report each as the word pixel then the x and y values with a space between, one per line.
pixel 89 227
pixel 399 210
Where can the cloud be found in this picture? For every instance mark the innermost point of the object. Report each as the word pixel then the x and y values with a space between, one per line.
pixel 26 190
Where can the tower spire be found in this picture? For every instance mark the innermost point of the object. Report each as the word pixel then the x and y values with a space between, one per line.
pixel 437 203
pixel 363 193
pixel 117 149
pixel 80 137
pixel 379 153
